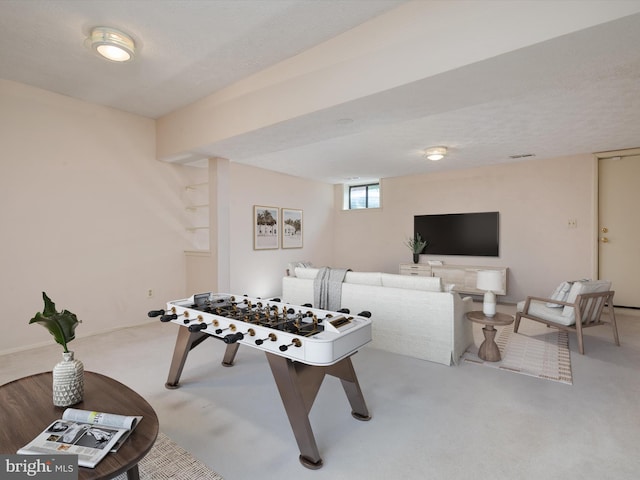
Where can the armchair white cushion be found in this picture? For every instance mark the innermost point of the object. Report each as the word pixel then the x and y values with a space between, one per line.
pixel 580 288
pixel 560 294
pixel 566 316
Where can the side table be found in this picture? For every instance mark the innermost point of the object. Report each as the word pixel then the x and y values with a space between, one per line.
pixel 489 349
pixel 27 408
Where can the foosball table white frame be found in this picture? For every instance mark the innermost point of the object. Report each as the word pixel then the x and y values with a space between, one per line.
pixel 298 363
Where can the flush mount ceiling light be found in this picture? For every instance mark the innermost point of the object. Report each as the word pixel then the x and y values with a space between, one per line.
pixel 112 44
pixel 435 153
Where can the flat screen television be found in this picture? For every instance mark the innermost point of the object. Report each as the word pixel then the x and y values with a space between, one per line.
pixel 474 234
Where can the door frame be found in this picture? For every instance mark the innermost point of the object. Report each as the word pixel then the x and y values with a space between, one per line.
pixel 627 152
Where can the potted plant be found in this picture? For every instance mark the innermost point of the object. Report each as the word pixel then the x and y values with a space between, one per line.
pixel 68 375
pixel 416 244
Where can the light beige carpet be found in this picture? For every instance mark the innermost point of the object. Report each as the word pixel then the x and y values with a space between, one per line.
pixel 535 350
pixel 169 461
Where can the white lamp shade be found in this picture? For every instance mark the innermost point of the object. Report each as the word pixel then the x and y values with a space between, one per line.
pixel 489 280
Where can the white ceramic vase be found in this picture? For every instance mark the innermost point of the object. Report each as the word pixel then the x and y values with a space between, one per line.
pixel 68 381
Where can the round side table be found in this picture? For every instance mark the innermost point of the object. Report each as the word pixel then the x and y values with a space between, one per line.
pixel 489 349
pixel 27 408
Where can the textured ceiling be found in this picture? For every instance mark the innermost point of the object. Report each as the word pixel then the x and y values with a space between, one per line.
pixel 577 93
pixel 190 48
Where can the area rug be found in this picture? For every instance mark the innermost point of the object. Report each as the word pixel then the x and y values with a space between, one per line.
pixel 535 350
pixel 169 461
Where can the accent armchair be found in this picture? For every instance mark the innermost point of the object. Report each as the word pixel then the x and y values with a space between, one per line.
pixel 583 307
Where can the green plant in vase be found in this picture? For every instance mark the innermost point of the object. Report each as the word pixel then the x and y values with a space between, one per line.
pixel 416 244
pixel 68 375
pixel 62 325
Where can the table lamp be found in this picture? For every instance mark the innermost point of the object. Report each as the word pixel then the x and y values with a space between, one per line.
pixel 490 281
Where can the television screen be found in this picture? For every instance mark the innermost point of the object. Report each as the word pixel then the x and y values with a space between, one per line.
pixel 473 234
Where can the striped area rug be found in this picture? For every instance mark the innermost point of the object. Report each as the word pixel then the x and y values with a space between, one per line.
pixel 169 461
pixel 535 350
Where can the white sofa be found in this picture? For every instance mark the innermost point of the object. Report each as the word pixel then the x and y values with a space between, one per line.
pixel 410 315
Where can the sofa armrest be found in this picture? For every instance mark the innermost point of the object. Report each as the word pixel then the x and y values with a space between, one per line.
pixel 462 330
pixel 468 304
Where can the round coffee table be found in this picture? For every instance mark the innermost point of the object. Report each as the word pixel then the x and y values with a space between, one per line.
pixel 489 350
pixel 27 408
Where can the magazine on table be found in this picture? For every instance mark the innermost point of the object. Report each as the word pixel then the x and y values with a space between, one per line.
pixel 90 435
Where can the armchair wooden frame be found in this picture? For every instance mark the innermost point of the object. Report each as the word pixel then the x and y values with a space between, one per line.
pixel 588 309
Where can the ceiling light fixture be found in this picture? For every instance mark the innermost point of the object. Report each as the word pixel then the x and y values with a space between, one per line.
pixel 435 153
pixel 112 44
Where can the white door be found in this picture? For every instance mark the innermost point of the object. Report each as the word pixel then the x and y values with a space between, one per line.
pixel 619 226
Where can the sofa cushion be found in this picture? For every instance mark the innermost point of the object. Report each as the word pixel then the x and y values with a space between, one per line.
pixel 307 273
pixel 291 270
pixel 411 282
pixel 364 278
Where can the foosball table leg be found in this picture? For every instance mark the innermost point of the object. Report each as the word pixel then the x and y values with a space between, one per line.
pixel 230 354
pixel 298 384
pixel 345 372
pixel 185 342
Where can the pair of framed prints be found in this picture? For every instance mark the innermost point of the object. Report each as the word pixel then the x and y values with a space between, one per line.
pixel 275 227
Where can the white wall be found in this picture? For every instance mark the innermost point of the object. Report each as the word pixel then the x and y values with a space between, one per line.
pixel 535 200
pixel 232 265
pixel 87 213
pixel 259 272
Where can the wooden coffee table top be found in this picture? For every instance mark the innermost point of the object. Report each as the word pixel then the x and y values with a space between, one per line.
pixel 27 409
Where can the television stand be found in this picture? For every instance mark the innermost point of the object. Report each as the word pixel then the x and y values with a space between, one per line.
pixel 462 276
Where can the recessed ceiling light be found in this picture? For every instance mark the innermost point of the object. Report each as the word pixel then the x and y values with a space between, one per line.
pixel 435 153
pixel 112 44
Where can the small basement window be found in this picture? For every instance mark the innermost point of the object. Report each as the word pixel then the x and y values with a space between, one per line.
pixel 364 196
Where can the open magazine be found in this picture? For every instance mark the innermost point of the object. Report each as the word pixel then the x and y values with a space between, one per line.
pixel 90 435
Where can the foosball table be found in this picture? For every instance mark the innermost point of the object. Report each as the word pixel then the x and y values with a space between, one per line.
pixel 302 345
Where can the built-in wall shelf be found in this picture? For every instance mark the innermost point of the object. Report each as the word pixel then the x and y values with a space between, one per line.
pixel 195 199
pixel 195 186
pixel 464 277
pixel 197 253
pixel 193 208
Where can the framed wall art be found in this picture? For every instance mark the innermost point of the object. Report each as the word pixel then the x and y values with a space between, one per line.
pixel 266 226
pixel 291 228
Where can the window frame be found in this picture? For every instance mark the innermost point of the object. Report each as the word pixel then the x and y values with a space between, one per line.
pixel 367 196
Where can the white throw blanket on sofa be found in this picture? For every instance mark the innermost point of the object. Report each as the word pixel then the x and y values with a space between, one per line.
pixel 327 288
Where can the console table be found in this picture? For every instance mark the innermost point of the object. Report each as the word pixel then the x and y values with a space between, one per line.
pixel 27 408
pixel 462 276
